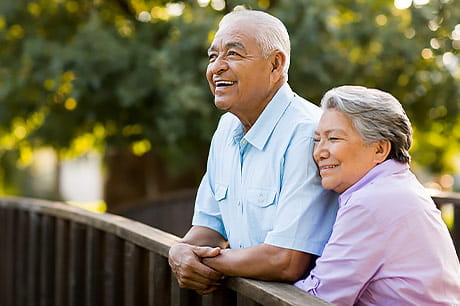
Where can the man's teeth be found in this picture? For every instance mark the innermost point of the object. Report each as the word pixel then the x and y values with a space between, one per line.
pixel 224 83
pixel 329 167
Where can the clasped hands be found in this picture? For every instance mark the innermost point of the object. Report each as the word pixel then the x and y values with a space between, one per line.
pixel 188 265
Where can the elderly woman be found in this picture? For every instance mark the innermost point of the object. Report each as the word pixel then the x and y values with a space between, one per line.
pixel 389 245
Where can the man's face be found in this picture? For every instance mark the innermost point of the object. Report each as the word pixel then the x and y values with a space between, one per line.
pixel 238 74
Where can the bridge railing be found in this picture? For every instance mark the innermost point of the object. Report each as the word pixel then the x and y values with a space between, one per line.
pixel 55 254
pixel 452 201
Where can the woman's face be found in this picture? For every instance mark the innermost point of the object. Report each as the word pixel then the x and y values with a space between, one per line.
pixel 340 153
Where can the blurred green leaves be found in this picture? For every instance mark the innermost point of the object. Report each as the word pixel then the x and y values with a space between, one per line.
pixel 85 74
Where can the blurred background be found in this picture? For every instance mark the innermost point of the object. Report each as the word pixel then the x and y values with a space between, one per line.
pixel 104 103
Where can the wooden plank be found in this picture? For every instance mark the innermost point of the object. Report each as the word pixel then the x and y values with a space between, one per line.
pixel 93 271
pixel 245 301
pixel 9 255
pixel 272 293
pixel 159 279
pixel 113 273
pixel 221 297
pixel 183 297
pixel 76 262
pixel 3 263
pixel 33 258
pixel 47 260
pixel 21 259
pixel 62 262
pixel 131 275
pixel 142 278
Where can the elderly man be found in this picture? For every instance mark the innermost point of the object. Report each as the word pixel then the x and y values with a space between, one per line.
pixel 260 210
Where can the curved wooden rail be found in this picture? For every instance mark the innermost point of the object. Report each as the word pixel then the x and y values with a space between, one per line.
pixel 55 254
pixel 450 198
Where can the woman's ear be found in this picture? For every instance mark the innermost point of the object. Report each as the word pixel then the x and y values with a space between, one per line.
pixel 277 61
pixel 382 150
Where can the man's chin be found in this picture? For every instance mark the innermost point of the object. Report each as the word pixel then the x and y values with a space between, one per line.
pixel 222 105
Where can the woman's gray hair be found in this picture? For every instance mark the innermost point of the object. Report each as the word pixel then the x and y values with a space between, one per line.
pixel 376 115
pixel 270 34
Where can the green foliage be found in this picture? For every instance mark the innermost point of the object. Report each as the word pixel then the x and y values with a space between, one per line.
pixel 76 75
pixel 371 43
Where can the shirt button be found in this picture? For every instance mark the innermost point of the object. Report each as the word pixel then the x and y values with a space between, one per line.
pixel 244 141
pixel 241 245
pixel 261 198
pixel 239 203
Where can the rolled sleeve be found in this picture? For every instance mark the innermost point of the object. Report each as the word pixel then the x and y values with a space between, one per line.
pixel 310 284
pixel 207 212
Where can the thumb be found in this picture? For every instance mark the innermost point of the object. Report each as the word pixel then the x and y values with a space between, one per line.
pixel 206 251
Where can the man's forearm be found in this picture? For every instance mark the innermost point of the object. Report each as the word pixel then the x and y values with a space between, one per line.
pixel 203 236
pixel 264 262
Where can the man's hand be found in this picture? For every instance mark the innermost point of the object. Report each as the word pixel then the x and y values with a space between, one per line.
pixel 186 263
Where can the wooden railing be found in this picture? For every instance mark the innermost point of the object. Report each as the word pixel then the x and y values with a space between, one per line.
pixel 453 200
pixel 173 213
pixel 55 254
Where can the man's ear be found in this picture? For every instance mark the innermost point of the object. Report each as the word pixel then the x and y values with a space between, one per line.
pixel 382 150
pixel 277 62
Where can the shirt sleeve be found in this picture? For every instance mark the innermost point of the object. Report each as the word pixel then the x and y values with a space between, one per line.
pixel 350 259
pixel 207 212
pixel 306 211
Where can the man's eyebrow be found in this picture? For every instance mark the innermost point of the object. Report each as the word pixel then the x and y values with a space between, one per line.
pixel 232 44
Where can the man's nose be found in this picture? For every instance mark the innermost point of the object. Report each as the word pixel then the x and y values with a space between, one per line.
pixel 219 65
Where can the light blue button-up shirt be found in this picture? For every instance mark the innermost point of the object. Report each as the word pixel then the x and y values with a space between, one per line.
pixel 263 186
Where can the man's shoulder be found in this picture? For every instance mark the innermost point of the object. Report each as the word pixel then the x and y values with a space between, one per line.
pixel 227 120
pixel 304 110
pixel 228 123
pixel 301 117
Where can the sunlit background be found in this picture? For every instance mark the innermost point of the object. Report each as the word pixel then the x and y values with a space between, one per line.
pixel 105 104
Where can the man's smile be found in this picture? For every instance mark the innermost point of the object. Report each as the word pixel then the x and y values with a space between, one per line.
pixel 224 83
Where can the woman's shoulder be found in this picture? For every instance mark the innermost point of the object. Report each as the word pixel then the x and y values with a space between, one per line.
pixel 393 196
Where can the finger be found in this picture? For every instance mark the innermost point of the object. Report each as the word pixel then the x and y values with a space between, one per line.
pixel 203 252
pixel 194 285
pixel 208 290
pixel 207 278
pixel 207 272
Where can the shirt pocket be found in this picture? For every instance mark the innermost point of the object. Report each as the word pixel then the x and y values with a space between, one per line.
pixel 221 197
pixel 220 192
pixel 261 208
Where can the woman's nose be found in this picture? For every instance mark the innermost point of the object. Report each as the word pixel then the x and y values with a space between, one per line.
pixel 320 151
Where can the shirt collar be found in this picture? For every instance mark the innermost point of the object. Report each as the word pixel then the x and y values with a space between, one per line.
pixel 260 132
pixel 386 168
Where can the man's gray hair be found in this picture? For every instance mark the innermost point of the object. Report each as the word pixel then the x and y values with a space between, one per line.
pixel 270 32
pixel 376 115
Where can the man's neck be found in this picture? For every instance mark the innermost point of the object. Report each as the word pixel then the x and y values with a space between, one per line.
pixel 248 120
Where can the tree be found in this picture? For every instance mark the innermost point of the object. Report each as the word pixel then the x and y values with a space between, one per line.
pixel 127 76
